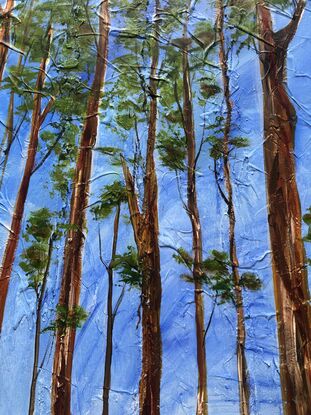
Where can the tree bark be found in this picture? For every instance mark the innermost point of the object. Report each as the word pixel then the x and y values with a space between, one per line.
pixel 243 378
pixel 110 317
pixel 38 118
pixel 5 34
pixel 146 230
pixel 284 215
pixel 194 216
pixel 40 297
pixel 72 272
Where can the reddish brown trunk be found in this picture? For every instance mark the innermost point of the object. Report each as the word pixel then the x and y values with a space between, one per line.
pixel 38 117
pixel 146 230
pixel 194 216
pixel 71 278
pixel 284 214
pixel 110 317
pixel 244 392
pixel 5 34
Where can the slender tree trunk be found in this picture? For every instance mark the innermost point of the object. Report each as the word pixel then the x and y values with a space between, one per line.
pixel 38 117
pixel 10 134
pixel 35 368
pixel 194 216
pixel 146 230
pixel 5 34
pixel 111 316
pixel 8 137
pixel 284 215
pixel 244 390
pixel 72 272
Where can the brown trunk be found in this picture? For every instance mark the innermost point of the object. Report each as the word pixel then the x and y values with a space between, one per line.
pixel 10 134
pixel 8 137
pixel 35 367
pixel 244 392
pixel 71 278
pixel 284 214
pixel 146 230
pixel 194 216
pixel 5 34
pixel 110 317
pixel 38 117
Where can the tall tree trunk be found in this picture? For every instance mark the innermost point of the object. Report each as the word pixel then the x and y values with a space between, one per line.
pixel 284 215
pixel 110 317
pixel 146 230
pixel 8 137
pixel 72 272
pixel 244 390
pixel 40 297
pixel 10 134
pixel 194 216
pixel 5 34
pixel 38 118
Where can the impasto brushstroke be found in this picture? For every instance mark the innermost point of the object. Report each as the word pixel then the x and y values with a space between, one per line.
pixel 155 207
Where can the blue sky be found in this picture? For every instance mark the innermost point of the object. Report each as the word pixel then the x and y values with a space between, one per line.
pixel 178 391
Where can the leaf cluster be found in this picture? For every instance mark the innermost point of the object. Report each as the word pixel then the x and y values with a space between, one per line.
pixel 129 267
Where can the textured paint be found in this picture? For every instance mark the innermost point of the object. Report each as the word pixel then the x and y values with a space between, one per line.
pixel 179 373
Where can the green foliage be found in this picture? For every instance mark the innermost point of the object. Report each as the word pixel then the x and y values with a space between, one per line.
pixel 35 256
pixel 129 267
pixel 172 150
pixel 250 281
pixel 73 318
pixel 307 220
pixel 112 195
pixel 183 257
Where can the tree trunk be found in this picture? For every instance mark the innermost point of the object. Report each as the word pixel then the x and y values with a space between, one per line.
pixel 38 118
pixel 146 230
pixel 5 34
pixel 35 368
pixel 284 215
pixel 111 316
pixel 10 134
pixel 194 216
pixel 72 272
pixel 244 390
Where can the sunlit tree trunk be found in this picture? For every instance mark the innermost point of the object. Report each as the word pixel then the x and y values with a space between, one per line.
pixel 5 34
pixel 38 117
pixel 146 230
pixel 72 271
pixel 194 216
pixel 284 214
pixel 244 392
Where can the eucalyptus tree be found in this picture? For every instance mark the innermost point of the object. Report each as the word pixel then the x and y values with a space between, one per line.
pixel 111 199
pixel 58 90
pixel 177 144
pixel 72 269
pixel 38 117
pixel 35 261
pixel 289 269
pixel 5 32
pixel 292 296
pixel 23 32
pixel 221 150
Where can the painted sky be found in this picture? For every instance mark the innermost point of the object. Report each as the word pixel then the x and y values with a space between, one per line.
pixel 178 391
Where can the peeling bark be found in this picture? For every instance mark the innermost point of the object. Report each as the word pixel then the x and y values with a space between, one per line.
pixel 5 29
pixel 194 216
pixel 72 271
pixel 243 378
pixel 146 229
pixel 38 117
pixel 284 215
